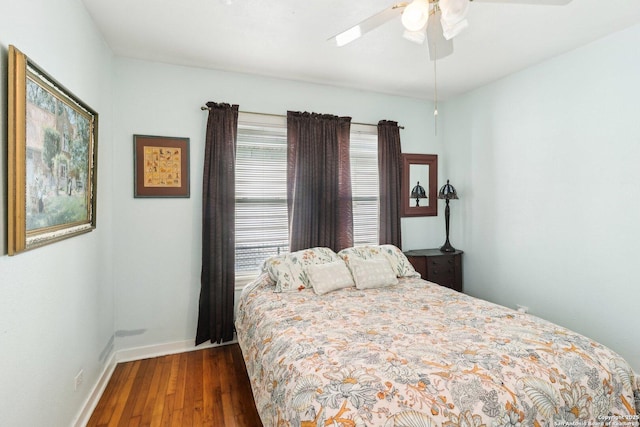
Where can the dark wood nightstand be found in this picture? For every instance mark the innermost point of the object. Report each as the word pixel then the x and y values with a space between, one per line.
pixel 443 268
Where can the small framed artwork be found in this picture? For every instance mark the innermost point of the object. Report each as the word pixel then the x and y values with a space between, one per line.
pixel 161 166
pixel 52 158
pixel 419 185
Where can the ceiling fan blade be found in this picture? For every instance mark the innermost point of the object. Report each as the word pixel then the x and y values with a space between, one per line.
pixel 368 24
pixel 536 2
pixel 439 47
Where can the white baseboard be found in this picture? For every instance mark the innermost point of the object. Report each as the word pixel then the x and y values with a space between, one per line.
pixel 94 397
pixel 155 350
pixel 128 355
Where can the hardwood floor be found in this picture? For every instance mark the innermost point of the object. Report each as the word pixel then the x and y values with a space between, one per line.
pixel 207 387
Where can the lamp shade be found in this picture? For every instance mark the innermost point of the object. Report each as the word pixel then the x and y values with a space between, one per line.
pixel 418 193
pixel 454 10
pixel 454 13
pixel 416 15
pixel 447 192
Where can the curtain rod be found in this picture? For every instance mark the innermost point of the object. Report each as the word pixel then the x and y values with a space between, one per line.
pixel 204 108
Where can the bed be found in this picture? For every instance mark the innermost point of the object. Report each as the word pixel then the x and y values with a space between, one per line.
pixel 336 340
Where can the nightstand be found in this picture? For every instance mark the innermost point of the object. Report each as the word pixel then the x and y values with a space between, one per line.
pixel 443 268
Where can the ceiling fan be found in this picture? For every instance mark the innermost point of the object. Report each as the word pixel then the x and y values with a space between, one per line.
pixel 437 21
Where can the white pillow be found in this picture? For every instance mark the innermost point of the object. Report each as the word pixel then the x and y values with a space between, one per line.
pixel 372 273
pixel 397 260
pixel 329 277
pixel 288 270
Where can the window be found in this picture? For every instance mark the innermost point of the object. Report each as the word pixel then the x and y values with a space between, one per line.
pixel 261 189
pixel 364 183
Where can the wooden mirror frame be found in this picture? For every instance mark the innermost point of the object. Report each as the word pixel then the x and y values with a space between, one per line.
pixel 431 209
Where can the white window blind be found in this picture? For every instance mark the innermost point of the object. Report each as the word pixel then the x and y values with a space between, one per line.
pixel 261 189
pixel 363 151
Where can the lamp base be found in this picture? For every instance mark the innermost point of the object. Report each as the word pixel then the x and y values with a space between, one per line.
pixel 447 247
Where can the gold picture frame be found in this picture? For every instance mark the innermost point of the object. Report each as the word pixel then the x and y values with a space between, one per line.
pixel 52 159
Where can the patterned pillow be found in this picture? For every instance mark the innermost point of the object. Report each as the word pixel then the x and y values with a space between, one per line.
pixel 288 270
pixel 372 273
pixel 398 261
pixel 329 277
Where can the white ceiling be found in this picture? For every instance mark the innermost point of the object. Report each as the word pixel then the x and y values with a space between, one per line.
pixel 288 39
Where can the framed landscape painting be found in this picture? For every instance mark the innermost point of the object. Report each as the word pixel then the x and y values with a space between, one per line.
pixel 52 159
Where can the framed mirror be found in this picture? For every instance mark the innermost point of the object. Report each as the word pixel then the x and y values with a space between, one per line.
pixel 419 185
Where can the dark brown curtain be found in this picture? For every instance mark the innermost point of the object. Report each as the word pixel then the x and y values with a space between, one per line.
pixel 319 181
pixel 215 316
pixel 390 170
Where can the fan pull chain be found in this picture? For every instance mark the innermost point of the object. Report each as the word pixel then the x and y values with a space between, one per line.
pixel 435 87
pixel 435 93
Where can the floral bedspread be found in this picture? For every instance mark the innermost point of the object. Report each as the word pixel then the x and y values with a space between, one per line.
pixel 418 354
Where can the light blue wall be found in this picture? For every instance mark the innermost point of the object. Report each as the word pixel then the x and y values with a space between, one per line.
pixel 547 164
pixel 134 281
pixel 56 302
pixel 157 241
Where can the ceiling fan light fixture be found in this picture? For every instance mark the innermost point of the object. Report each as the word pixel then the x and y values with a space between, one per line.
pixel 415 36
pixel 416 15
pixel 454 17
pixel 454 9
pixel 450 31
